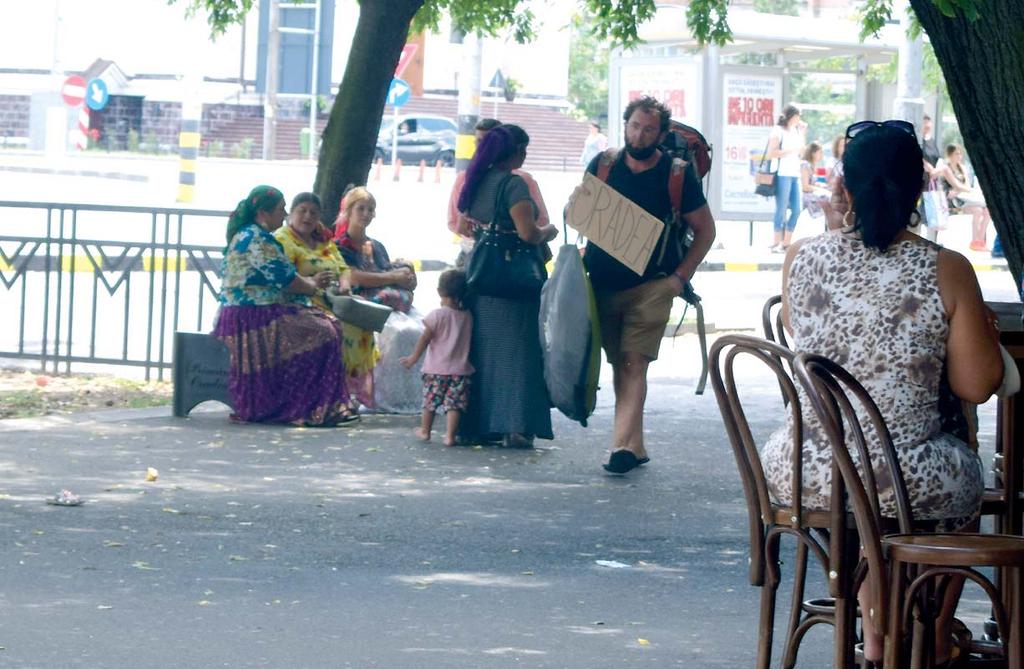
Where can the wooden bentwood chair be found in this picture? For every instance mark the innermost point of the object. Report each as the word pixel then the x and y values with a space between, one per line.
pixel 826 535
pixel 907 573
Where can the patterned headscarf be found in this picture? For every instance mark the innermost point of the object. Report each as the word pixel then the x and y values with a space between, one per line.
pixel 261 198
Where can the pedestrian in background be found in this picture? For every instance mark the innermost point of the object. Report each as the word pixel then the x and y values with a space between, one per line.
pixel 595 143
pixel 785 145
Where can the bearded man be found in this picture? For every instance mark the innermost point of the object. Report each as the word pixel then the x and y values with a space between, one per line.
pixel 634 308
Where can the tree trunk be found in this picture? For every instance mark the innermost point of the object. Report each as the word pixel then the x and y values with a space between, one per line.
pixel 351 133
pixel 983 63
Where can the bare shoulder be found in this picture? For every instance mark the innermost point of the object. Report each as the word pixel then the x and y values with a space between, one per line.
pixel 953 265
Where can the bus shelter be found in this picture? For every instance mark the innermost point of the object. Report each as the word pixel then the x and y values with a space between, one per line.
pixel 735 103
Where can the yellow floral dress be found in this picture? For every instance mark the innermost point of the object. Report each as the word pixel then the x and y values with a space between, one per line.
pixel 359 351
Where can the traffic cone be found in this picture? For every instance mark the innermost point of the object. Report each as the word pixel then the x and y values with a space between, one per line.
pixel 437 171
pixel 423 167
pixel 376 172
pixel 398 169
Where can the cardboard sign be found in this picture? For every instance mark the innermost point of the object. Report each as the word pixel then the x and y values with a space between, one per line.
pixel 622 229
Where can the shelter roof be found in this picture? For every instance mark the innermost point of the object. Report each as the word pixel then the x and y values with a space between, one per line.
pixel 798 37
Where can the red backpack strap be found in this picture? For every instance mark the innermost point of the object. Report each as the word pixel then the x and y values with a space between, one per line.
pixel 676 176
pixel 604 166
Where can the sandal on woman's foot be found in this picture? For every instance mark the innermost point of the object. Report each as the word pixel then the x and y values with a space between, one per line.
pixel 622 461
pixel 960 649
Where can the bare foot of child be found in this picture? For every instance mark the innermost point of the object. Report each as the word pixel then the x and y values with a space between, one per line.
pixel 448 441
pixel 421 434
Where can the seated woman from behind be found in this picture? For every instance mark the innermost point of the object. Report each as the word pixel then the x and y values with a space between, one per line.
pixel 893 309
pixel 285 355
pixel 373 276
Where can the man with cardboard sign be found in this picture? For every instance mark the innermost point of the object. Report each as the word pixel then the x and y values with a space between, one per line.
pixel 643 247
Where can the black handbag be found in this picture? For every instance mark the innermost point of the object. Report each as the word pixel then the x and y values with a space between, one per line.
pixel 764 180
pixel 502 264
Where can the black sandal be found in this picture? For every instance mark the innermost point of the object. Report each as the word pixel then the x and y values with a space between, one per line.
pixel 623 461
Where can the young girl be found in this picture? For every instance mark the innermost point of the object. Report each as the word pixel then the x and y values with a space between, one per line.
pixel 446 369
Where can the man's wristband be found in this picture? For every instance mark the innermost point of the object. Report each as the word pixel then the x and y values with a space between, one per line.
pixel 679 275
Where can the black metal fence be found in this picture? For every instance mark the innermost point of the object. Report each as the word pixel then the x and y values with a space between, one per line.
pixel 103 285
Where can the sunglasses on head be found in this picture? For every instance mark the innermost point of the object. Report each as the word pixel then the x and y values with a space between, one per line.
pixel 854 129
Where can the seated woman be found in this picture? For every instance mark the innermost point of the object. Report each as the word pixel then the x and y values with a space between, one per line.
pixel 373 276
pixel 964 195
pixel 814 196
pixel 310 246
pixel 285 355
pixel 892 308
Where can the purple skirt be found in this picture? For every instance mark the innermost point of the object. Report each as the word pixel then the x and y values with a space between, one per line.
pixel 286 364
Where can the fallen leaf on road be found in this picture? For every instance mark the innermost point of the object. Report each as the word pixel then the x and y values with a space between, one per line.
pixel 144 566
pixel 237 558
pixel 152 474
pixel 112 544
pixel 104 607
pixel 643 642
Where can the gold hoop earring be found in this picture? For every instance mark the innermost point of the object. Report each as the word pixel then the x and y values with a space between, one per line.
pixel 846 218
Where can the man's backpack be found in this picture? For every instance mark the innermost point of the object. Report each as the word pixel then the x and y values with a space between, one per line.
pixel 689 145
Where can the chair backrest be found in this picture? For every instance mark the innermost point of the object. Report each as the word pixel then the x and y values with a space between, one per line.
pixel 835 395
pixel 760 511
pixel 772 322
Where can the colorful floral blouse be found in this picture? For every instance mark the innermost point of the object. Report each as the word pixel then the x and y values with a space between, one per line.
pixel 256 270
pixel 310 261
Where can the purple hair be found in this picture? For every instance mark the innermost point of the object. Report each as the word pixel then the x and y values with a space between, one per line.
pixel 497 145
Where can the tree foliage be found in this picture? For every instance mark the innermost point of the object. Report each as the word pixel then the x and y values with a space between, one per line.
pixel 588 70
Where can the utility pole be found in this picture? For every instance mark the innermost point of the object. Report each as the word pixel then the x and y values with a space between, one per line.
pixel 270 94
pixel 469 100
pixel 909 105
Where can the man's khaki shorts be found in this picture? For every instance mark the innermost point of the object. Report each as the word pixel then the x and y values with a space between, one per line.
pixel 633 320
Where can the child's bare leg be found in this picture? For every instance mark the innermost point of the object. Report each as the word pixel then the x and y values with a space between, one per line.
pixel 426 422
pixel 451 421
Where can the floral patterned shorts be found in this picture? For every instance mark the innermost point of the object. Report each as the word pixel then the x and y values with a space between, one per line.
pixel 450 391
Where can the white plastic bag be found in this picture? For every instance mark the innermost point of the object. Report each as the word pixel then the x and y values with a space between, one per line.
pixel 395 388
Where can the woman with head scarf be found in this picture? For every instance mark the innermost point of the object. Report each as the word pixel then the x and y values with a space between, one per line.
pixel 508 397
pixel 286 362
pixel 373 276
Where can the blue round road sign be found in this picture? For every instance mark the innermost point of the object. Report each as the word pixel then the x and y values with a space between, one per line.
pixel 399 92
pixel 96 95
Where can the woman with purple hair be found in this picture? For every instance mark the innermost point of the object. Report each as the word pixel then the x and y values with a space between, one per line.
pixel 508 398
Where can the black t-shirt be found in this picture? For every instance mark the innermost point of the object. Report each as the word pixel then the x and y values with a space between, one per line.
pixel 649 190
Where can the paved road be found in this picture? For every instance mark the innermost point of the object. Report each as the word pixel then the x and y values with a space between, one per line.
pixel 265 546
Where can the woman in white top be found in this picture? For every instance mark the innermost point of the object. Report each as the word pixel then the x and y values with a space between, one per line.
pixel 785 145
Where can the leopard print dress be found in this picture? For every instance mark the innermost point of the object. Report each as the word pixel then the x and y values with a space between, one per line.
pixel 879 315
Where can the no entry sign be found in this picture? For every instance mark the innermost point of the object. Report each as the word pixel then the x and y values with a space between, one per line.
pixel 73 90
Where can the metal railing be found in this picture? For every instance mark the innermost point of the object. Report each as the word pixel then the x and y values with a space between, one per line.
pixel 72 274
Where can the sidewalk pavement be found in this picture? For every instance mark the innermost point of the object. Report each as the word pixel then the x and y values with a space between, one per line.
pixel 267 546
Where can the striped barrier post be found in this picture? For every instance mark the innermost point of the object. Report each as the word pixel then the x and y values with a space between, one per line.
pixel 188 151
pixel 82 131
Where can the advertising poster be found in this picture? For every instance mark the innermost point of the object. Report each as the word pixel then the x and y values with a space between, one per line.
pixel 751 106
pixel 676 84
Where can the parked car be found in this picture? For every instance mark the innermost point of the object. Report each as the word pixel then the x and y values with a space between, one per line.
pixel 420 137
